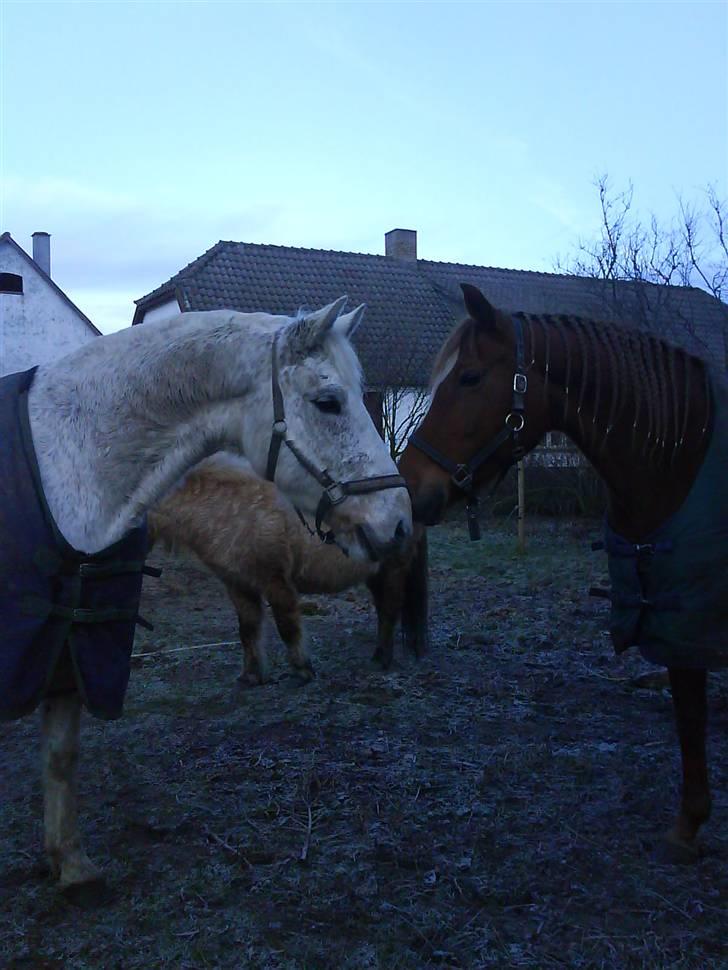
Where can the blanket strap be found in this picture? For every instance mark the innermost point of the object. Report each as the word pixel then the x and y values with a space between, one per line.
pixel 37 606
pixel 116 567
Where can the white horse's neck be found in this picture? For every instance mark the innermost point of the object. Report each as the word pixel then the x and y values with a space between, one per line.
pixel 118 422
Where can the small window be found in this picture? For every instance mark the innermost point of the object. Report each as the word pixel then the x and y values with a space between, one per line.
pixel 11 283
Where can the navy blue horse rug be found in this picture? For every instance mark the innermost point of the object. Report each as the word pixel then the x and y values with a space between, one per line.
pixel 57 603
pixel 670 592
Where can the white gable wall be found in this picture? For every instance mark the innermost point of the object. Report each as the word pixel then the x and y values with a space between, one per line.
pixel 162 312
pixel 37 325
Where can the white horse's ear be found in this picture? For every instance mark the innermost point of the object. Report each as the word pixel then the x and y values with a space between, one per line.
pixel 348 322
pixel 309 332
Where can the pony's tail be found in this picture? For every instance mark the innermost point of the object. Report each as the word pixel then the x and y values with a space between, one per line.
pixel 160 529
pixel 415 613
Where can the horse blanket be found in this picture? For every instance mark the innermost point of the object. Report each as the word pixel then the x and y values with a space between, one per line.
pixel 670 592
pixel 53 597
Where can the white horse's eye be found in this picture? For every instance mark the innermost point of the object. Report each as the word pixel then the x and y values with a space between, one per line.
pixel 328 405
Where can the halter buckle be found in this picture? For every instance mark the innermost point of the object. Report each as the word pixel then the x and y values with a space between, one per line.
pixel 336 493
pixel 520 383
pixel 280 427
pixel 462 477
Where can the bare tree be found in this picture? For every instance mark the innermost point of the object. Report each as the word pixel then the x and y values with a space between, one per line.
pixel 403 408
pixel 691 251
pixel 707 259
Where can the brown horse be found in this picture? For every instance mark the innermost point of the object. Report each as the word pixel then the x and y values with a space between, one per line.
pixel 650 418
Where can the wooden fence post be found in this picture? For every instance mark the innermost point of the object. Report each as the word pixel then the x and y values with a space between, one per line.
pixel 521 506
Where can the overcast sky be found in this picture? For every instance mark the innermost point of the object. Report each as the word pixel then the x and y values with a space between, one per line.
pixel 140 133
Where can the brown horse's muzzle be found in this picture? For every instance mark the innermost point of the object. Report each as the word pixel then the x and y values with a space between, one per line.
pixel 429 505
pixel 428 486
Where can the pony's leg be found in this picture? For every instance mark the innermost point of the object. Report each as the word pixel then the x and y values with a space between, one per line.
pixel 399 588
pixel 386 587
pixel 690 704
pixel 249 607
pixel 415 603
pixel 68 861
pixel 285 604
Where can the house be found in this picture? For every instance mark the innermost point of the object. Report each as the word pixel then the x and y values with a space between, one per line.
pixel 413 303
pixel 38 322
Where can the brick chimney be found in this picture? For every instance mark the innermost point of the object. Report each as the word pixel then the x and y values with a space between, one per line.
pixel 42 251
pixel 401 244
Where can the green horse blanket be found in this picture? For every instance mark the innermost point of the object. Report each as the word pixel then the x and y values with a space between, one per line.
pixel 670 593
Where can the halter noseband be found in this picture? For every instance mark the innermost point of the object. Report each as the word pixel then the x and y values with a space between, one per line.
pixel 462 475
pixel 334 493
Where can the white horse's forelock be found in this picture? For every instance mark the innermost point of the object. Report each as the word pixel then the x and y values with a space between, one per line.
pixel 339 348
pixel 344 358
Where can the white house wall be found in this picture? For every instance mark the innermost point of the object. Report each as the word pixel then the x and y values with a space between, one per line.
pixel 163 312
pixel 37 325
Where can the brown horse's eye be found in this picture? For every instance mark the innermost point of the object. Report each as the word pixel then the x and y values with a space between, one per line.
pixel 470 378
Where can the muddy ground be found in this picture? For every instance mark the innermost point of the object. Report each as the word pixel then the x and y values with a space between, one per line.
pixel 494 805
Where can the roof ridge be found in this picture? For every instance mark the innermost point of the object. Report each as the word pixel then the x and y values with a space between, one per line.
pixel 309 249
pixel 232 246
pixel 198 262
pixel 556 275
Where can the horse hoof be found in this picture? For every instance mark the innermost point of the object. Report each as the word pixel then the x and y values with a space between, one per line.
pixel 87 891
pixel 300 676
pixel 382 658
pixel 245 681
pixel 652 680
pixel 673 851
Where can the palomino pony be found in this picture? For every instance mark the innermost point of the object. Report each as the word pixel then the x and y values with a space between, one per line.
pixel 251 538
pixel 653 422
pixel 91 441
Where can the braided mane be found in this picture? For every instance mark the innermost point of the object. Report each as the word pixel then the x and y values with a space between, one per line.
pixel 619 370
pixel 632 369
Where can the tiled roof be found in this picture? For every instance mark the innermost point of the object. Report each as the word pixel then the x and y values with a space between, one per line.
pixel 412 305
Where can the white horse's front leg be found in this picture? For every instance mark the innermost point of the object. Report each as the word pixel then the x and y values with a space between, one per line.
pixel 68 861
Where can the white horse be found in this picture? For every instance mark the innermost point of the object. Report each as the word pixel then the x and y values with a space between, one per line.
pixel 116 424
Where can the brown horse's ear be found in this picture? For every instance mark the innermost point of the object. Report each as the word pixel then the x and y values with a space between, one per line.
pixel 478 307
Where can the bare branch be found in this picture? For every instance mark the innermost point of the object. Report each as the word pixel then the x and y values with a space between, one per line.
pixel 690 251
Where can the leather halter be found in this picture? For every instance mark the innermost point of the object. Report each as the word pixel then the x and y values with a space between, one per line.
pixel 461 475
pixel 334 493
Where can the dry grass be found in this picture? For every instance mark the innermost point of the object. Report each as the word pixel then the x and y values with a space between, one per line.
pixel 495 805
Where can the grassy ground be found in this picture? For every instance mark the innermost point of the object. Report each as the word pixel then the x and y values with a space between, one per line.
pixel 494 805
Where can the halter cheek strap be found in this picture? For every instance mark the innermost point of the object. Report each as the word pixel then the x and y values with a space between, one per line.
pixel 461 475
pixel 334 493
